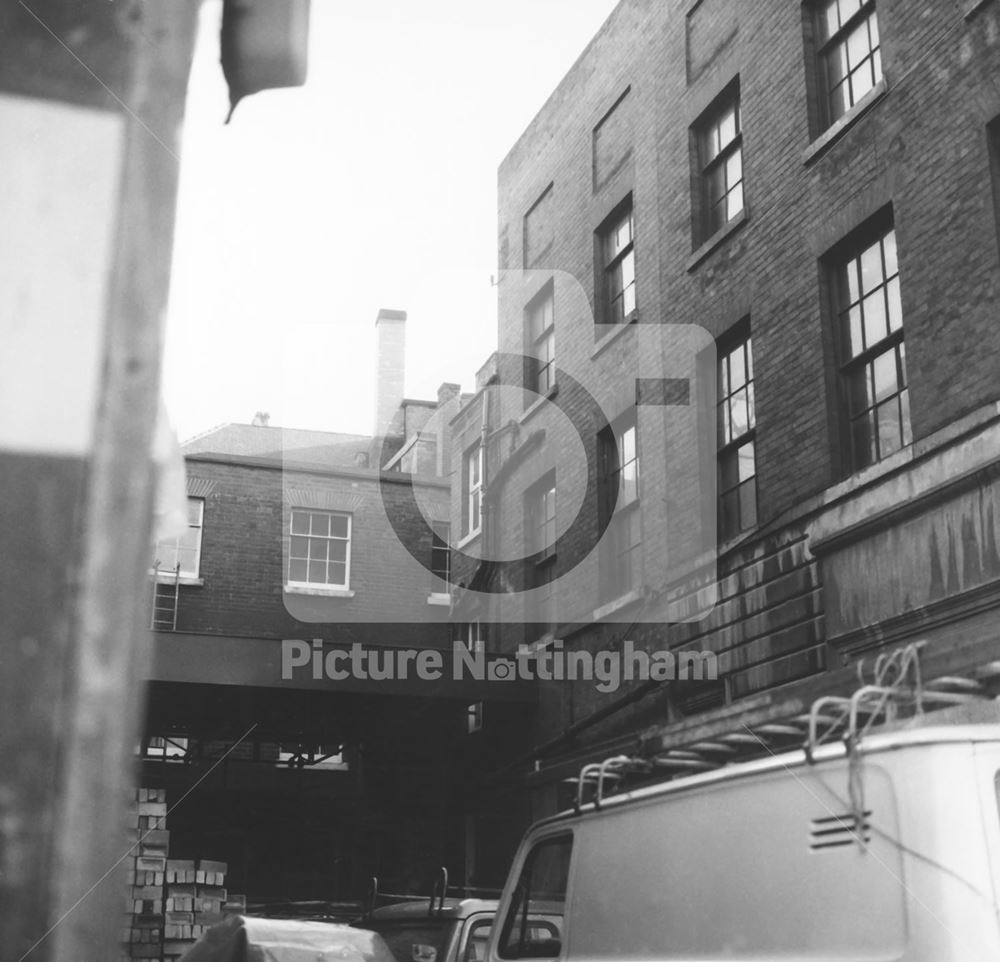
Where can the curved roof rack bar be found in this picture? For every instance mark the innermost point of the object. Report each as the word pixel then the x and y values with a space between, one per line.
pixel 587 772
pixel 608 768
pixel 438 891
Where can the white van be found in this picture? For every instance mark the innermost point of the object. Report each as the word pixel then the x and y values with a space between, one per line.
pixel 889 852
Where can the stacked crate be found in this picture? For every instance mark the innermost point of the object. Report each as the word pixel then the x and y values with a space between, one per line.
pixel 170 901
pixel 143 932
pixel 195 898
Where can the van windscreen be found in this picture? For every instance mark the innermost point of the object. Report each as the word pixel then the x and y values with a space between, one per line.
pixel 533 924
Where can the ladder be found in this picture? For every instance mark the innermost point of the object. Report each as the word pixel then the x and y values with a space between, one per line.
pixel 166 592
pixel 896 691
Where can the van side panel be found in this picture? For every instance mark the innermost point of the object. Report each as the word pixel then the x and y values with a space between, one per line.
pixel 764 867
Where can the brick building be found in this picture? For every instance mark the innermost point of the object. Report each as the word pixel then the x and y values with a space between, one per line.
pixel 308 782
pixel 816 186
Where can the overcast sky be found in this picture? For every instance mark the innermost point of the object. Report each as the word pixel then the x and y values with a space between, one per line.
pixel 372 186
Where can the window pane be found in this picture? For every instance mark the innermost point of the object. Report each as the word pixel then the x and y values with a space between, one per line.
pixel 338 551
pixel 838 101
pixel 902 364
pixel 857 45
pixel 739 412
pixel 734 168
pixel 716 184
pixel 855 341
pixel 895 306
pixel 859 387
pixel 628 301
pixel 297 571
pixel 187 558
pixel 166 556
pixel 729 471
pixel 190 539
pixel 904 405
pixel 830 21
pixel 873 30
pixel 194 510
pixel 338 525
pixel 836 65
pixel 749 347
pixel 851 275
pixel 627 446
pixel 338 573
pixel 889 439
pixel 318 549
pixel 848 8
pixel 877 65
pixel 746 462
pixel 889 252
pixel 748 504
pixel 863 440
pixel 737 369
pixel 729 513
pixel 628 270
pixel 875 322
pixel 320 524
pixel 629 485
pixel 317 572
pixel 299 547
pixel 735 204
pixel 861 82
pixel 727 126
pixel 884 371
pixel 710 144
pixel 871 268
pixel 300 522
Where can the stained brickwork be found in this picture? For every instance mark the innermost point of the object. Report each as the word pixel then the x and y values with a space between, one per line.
pixel 915 152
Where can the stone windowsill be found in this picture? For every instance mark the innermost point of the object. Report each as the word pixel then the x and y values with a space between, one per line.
pixel 318 592
pixel 629 598
pixel 835 131
pixel 167 578
pixel 469 538
pixel 535 406
pixel 717 239
pixel 612 336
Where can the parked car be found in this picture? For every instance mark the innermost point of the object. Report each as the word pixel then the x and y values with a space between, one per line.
pixel 881 848
pixel 441 929
pixel 247 939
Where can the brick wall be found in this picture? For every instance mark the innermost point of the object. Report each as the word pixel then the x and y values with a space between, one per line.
pixel 920 149
pixel 244 541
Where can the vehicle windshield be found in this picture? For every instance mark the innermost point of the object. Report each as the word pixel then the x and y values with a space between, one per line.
pixel 533 923
pixel 415 941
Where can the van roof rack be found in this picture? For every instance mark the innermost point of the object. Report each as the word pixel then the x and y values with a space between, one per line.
pixel 440 890
pixel 895 691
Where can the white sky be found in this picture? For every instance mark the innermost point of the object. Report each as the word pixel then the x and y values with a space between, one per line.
pixel 372 186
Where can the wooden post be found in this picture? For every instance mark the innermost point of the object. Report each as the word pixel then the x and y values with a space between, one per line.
pixel 91 101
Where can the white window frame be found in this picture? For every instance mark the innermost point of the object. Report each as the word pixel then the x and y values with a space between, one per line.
pixel 472 490
pixel 540 336
pixel 174 545
pixel 317 585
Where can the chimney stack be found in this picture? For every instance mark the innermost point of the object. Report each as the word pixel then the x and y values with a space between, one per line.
pixel 390 364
